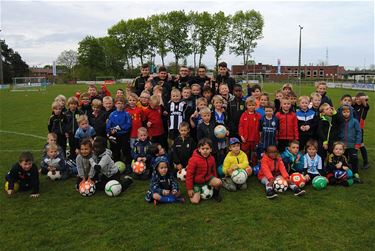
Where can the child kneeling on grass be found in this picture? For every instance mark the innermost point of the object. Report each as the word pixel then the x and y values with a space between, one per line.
pixel 164 186
pixel 104 166
pixel 271 167
pixel 235 159
pixel 24 176
pixel 202 171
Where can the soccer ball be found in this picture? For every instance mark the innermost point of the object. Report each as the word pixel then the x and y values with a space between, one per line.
pixel 138 167
pixel 121 166
pixel 280 184
pixel 220 131
pixel 298 179
pixel 220 172
pixel 239 176
pixel 87 188
pixel 16 186
pixel 54 175
pixel 181 175
pixel 320 182
pixel 206 192
pixel 349 173
pixel 341 175
pixel 113 188
pixel 256 170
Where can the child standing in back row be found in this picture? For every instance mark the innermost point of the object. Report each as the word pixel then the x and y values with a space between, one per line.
pixel 288 125
pixel 248 130
pixel 58 125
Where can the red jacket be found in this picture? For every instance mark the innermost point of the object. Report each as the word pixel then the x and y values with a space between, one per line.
pixel 288 126
pixel 249 126
pixel 137 118
pixel 271 168
pixel 154 116
pixel 200 170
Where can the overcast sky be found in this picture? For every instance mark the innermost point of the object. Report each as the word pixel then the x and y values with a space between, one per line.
pixel 41 30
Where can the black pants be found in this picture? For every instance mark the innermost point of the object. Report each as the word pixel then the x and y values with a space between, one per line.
pixel 73 145
pixel 61 141
pixel 122 146
pixel 352 155
pixel 282 144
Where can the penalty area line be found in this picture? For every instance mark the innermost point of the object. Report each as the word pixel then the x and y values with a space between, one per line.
pixel 24 134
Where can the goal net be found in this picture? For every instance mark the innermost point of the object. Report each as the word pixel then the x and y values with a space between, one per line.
pixel 108 80
pixel 29 84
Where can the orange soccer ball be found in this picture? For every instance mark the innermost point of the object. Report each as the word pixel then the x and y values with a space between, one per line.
pixel 138 167
pixel 86 188
pixel 298 179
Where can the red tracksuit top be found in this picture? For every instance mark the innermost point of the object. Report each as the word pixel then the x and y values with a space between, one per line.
pixel 200 170
pixel 137 118
pixel 249 126
pixel 288 126
pixel 154 116
pixel 271 168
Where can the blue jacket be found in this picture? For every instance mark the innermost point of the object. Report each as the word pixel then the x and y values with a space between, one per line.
pixel 121 119
pixel 350 132
pixel 290 163
pixel 307 118
pixel 160 183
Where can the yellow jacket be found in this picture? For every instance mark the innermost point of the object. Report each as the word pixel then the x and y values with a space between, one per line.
pixel 240 160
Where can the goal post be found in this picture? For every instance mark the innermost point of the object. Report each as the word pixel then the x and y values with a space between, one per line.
pixel 29 84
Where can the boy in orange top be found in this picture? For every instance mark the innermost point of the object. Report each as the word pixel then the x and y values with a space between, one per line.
pixel 248 130
pixel 136 114
pixel 271 167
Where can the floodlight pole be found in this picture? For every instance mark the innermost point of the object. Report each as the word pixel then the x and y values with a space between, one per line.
pixel 299 57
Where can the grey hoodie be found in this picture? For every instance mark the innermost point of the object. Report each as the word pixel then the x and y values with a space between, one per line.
pixel 107 165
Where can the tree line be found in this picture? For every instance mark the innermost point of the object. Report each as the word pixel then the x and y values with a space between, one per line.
pixel 178 33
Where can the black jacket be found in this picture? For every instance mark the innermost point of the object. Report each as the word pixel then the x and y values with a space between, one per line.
pixel 235 109
pixel 182 150
pixel 99 123
pixel 27 179
pixel 227 79
pixel 57 124
pixel 139 84
pixel 72 125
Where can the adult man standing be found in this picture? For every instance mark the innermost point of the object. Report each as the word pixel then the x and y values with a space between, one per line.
pixel 139 82
pixel 182 79
pixel 202 79
pixel 224 77
pixel 163 80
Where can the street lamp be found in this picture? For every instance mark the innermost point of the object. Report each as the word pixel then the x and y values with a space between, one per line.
pixel 299 56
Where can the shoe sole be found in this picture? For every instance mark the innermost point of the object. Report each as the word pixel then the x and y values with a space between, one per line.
pixel 300 193
pixel 272 196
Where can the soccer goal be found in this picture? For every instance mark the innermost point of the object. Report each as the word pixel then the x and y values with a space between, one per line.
pixel 29 84
pixel 108 80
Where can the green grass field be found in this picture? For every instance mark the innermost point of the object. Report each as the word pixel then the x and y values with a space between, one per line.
pixel 337 218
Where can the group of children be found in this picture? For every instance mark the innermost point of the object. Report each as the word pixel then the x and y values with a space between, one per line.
pixel 171 125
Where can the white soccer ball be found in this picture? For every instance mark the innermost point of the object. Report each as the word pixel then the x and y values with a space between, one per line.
pixel 54 175
pixel 220 131
pixel 206 192
pixel 181 175
pixel 87 188
pixel 113 188
pixel 239 176
pixel 280 184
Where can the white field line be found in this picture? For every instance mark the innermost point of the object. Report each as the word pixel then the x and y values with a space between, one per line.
pixel 24 134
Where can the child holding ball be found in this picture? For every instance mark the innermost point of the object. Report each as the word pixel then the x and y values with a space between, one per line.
pixel 25 174
pixel 202 171
pixel 271 167
pixel 164 186
pixel 86 171
pixel 235 159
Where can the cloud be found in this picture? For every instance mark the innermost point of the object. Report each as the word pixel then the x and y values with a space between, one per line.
pixel 41 30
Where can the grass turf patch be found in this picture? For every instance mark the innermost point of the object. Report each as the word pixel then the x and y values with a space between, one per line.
pixel 335 218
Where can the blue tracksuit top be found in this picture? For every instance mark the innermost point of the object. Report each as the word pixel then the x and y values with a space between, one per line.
pixel 121 119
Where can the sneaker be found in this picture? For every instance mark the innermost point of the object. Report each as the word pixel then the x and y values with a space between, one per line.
pixel 299 192
pixel 366 165
pixel 243 186
pixel 271 194
pixel 229 185
pixel 357 179
pixel 217 196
